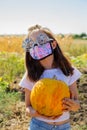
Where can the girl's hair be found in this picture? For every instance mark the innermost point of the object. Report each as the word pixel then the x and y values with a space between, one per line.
pixel 35 69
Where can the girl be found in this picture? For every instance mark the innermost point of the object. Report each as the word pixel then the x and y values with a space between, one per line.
pixel 44 59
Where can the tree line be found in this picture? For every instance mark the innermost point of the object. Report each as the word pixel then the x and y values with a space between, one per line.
pixel 82 36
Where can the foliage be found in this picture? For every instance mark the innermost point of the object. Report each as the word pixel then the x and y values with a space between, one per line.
pixel 8 103
pixel 80 36
pixel 3 85
pixel 80 61
pixel 11 66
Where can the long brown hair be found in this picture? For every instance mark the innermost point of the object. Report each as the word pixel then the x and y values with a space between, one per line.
pixel 35 69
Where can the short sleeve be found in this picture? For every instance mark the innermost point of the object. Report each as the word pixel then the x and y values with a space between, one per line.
pixel 25 83
pixel 76 75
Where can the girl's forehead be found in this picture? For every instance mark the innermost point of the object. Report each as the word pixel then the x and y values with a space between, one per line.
pixel 37 35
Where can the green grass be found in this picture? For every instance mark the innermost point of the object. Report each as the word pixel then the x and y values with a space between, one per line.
pixel 11 66
pixel 8 103
pixel 79 61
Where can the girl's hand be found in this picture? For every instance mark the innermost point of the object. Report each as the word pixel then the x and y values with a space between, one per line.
pixel 70 105
pixel 33 113
pixel 50 117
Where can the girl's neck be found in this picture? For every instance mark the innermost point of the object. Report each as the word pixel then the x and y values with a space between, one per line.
pixel 47 63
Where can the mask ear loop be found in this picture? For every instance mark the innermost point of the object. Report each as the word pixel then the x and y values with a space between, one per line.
pixel 51 46
pixel 58 49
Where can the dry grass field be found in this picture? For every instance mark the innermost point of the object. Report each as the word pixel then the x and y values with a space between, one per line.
pixel 12 106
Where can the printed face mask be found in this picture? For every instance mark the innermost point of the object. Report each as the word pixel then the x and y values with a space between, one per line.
pixel 40 48
pixel 39 52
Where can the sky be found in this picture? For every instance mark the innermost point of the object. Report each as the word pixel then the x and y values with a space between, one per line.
pixel 61 16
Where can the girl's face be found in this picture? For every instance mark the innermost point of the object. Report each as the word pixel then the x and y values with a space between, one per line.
pixel 47 62
pixel 41 45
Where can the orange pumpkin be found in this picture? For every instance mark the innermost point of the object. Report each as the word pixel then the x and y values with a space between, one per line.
pixel 46 96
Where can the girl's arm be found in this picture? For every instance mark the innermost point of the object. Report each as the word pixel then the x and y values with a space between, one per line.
pixel 72 104
pixel 29 110
pixel 73 91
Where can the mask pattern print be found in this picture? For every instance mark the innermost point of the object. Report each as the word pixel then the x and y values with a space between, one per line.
pixel 39 52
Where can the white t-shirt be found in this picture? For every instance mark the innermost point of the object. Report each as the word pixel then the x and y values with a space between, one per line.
pixel 58 74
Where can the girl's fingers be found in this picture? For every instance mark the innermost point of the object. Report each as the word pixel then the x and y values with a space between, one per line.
pixel 67 104
pixel 66 107
pixel 54 117
pixel 65 110
pixel 68 100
